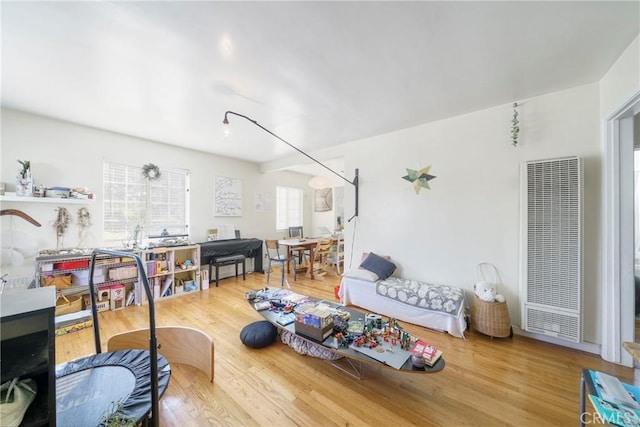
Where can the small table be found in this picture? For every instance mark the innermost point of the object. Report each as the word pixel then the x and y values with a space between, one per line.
pixel 309 244
pixel 353 359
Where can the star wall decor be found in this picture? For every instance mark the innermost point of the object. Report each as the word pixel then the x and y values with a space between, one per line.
pixel 420 178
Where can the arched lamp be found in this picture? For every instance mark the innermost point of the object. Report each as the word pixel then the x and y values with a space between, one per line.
pixel 355 179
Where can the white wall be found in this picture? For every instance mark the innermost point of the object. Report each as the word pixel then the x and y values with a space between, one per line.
pixel 621 81
pixel 66 154
pixel 471 213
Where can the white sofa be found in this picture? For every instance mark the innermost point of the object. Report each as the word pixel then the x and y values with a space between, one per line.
pixel 374 296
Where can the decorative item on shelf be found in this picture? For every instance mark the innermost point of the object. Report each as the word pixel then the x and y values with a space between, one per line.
pixel 80 193
pixel 420 178
pixel 151 172
pixel 39 191
pixel 58 192
pixel 24 181
pixel 515 129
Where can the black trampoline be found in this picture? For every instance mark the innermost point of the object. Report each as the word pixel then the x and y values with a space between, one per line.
pixel 90 387
pixel 129 382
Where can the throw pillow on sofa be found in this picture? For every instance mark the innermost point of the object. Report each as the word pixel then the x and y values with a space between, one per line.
pixel 378 265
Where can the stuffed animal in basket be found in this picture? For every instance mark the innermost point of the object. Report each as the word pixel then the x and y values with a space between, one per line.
pixel 487 292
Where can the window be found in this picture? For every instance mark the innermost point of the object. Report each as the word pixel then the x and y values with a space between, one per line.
pixel 137 207
pixel 288 207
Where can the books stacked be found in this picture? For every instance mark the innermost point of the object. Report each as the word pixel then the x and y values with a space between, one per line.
pixel 429 352
pixel 616 402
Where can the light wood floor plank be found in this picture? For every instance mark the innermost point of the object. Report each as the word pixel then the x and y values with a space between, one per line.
pixel 486 382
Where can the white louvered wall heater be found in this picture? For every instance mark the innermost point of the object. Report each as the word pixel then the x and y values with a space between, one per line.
pixel 552 247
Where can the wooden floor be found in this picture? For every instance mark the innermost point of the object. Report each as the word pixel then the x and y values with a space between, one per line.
pixel 516 382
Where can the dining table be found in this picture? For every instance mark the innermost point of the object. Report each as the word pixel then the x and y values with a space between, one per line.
pixel 304 244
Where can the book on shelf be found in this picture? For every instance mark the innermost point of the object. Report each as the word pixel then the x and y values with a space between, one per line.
pixel 130 297
pixel 262 305
pixel 428 351
pixel 151 268
pixel 165 289
pixel 156 288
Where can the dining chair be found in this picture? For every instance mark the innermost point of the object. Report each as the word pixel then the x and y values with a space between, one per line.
pixel 296 232
pixel 321 255
pixel 274 256
pixel 336 257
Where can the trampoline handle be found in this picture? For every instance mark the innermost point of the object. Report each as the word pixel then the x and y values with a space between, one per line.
pixel 153 344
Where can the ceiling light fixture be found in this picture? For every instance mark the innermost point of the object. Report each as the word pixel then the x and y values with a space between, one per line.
pixel 355 179
pixel 319 182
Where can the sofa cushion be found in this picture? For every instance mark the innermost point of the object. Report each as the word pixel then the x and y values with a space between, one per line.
pixel 378 265
pixel 258 334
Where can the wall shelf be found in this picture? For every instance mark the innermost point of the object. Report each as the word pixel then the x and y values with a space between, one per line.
pixel 11 197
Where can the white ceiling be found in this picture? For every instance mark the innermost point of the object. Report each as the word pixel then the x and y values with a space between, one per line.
pixel 316 73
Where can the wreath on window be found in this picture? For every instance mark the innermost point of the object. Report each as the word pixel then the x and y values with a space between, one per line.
pixel 151 172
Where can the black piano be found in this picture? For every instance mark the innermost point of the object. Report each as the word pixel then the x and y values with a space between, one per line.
pixel 251 248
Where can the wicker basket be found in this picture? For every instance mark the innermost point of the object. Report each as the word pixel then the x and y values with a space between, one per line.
pixel 60 281
pixel 490 318
pixel 66 305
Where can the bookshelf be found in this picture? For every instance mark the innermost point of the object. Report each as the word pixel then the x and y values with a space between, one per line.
pixel 69 273
pixel 171 270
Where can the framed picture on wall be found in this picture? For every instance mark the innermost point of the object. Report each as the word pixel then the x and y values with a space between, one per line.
pixel 228 196
pixel 323 200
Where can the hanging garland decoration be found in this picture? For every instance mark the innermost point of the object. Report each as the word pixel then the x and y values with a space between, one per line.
pixel 61 223
pixel 515 129
pixel 151 172
pixel 83 222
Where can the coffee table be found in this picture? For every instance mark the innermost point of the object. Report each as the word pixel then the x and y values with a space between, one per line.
pixel 353 361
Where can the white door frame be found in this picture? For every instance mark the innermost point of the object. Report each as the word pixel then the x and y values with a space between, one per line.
pixel 617 278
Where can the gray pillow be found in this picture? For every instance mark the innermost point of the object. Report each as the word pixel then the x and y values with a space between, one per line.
pixel 380 266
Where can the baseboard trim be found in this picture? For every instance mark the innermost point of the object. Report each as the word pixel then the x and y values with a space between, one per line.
pixel 582 346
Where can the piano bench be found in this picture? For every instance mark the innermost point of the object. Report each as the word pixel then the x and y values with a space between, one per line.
pixel 228 260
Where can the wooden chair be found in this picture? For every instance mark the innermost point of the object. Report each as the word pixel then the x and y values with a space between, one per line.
pixel 178 344
pixel 297 232
pixel 321 255
pixel 337 253
pixel 273 255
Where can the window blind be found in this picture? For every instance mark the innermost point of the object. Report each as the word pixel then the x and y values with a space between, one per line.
pixel 288 207
pixel 132 201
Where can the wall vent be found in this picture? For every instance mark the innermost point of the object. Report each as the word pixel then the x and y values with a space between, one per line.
pixel 552 249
